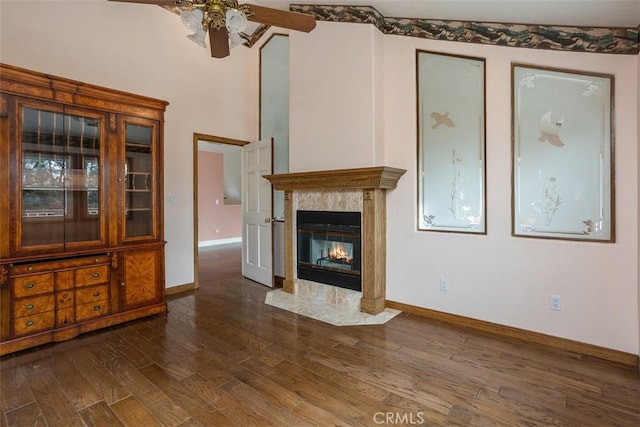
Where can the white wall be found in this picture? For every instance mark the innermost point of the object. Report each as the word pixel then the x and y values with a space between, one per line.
pixel 333 90
pixel 142 49
pixel 497 277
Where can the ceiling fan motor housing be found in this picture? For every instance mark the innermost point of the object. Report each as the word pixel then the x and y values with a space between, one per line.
pixel 215 11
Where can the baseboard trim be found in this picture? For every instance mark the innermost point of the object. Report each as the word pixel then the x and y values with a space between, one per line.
pixel 216 242
pixel 181 288
pixel 604 353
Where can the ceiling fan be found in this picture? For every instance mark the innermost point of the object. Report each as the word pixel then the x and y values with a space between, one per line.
pixel 224 20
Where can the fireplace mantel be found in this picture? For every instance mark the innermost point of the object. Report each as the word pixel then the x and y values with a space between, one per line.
pixel 373 177
pixel 374 183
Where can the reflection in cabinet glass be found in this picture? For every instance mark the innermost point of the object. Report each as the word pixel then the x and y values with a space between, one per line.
pixel 60 177
pixel 138 180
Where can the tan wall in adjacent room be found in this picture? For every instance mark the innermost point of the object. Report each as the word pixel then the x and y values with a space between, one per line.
pixel 215 219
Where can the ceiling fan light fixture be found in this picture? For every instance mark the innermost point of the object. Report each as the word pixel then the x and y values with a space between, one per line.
pixel 235 21
pixel 192 19
pixel 235 40
pixel 199 38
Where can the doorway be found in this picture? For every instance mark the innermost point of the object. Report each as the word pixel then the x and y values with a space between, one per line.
pixel 220 145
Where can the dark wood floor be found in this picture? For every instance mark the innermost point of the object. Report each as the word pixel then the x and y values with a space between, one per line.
pixel 221 357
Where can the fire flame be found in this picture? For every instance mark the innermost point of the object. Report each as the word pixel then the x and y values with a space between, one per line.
pixel 338 251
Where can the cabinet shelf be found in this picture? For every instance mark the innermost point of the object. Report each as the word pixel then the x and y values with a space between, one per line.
pixel 75 188
pixel 49 214
pixel 35 188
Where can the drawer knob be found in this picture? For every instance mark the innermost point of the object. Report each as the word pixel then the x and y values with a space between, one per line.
pixel 30 323
pixel 30 285
pixel 30 268
pixel 96 308
pixel 29 306
pixel 96 294
pixel 122 283
pixel 96 275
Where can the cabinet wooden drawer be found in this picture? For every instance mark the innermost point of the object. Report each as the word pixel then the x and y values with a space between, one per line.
pixel 92 275
pixel 35 323
pixel 32 285
pixel 64 264
pixel 91 310
pixel 40 267
pixel 92 294
pixel 33 305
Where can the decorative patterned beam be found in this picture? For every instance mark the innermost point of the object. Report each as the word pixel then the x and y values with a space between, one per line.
pixel 623 41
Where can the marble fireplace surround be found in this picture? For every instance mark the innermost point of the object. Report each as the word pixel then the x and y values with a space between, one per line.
pixel 358 190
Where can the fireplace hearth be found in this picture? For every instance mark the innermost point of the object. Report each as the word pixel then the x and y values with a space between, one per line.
pixel 329 248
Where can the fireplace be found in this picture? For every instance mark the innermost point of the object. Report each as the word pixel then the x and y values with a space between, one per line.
pixel 329 248
pixel 361 190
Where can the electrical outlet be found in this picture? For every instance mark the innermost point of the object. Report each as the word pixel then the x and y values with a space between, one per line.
pixel 555 302
pixel 444 284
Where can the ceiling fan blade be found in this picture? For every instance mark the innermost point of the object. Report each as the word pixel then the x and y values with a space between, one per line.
pixel 282 18
pixel 219 42
pixel 159 2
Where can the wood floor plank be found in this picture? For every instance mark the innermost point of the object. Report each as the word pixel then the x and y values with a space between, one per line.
pixel 146 393
pixel 192 403
pixel 27 415
pixel 100 414
pixel 168 353
pixel 120 345
pixel 602 413
pixel 278 394
pixel 318 415
pixel 133 413
pixel 98 375
pixel 353 409
pixel 51 397
pixel 263 404
pixel 14 389
pixel 78 390
pixel 208 391
pixel 398 382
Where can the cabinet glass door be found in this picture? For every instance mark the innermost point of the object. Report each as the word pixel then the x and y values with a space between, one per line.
pixel 139 177
pixel 60 183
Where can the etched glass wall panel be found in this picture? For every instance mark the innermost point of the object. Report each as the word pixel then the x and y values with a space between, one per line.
pixel 562 145
pixel 451 143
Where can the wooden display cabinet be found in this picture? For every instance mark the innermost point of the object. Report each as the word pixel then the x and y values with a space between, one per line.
pixel 81 231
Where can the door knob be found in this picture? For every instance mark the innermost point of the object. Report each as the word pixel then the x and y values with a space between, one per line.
pixel 268 220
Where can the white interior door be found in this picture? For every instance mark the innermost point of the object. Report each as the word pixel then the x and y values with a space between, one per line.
pixel 257 232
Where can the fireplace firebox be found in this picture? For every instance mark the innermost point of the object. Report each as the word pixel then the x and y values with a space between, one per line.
pixel 329 248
